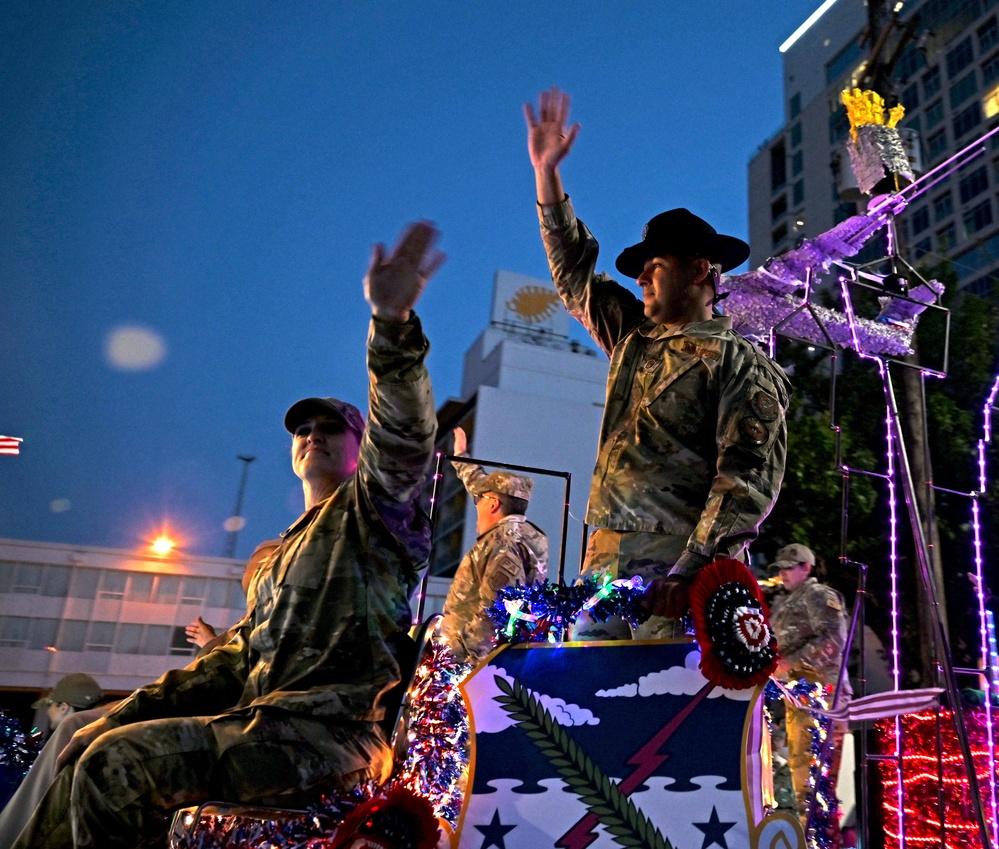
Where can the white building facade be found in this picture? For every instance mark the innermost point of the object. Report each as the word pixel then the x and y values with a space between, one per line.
pixel 116 615
pixel 531 397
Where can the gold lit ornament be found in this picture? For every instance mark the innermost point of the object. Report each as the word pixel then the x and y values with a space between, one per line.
pixel 875 144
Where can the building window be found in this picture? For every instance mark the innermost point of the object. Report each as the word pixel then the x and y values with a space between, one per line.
pixel 112 585
pixel 848 56
pixel 988 36
pixel 100 636
pixel 27 579
pixel 967 119
pixel 973 184
pixel 839 125
pixel 920 220
pixel 796 135
pixel 83 583
pixel 934 114
pixel 946 238
pixel 922 248
pixel 936 144
pixel 909 62
pixel 794 105
pixel 778 234
pixel 140 587
pixel 72 635
pixel 943 205
pixel 179 644
pixel 990 69
pixel 157 639
pixel 778 207
pixel 797 163
pixel 193 591
pixel 166 590
pixel 778 166
pixel 931 83
pixel 42 634
pixel 798 193
pixel 128 639
pixel 959 57
pixel 910 97
pixel 14 631
pixel 977 218
pixel 962 90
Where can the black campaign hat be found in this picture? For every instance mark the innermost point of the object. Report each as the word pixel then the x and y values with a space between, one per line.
pixel 681 233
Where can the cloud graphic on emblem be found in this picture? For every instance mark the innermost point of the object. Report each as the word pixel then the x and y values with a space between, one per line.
pixel 490 718
pixel 683 680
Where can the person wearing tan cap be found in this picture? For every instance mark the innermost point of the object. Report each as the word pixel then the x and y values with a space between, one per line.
pixel 73 692
pixel 509 549
pixel 290 707
pixel 810 625
pixel 74 702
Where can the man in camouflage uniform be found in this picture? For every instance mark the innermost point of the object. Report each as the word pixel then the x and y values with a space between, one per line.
pixel 508 549
pixel 693 439
pixel 290 705
pixel 810 626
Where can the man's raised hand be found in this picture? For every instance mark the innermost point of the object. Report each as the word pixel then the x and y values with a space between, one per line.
pixel 548 137
pixel 394 282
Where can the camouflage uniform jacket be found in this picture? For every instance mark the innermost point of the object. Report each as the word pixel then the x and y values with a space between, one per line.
pixel 323 608
pixel 512 550
pixel 693 439
pixel 810 625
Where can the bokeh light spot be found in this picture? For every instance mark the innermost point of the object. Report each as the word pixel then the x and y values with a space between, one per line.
pixel 60 505
pixel 234 523
pixel 131 347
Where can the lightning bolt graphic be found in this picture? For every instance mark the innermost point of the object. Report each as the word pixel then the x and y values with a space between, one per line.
pixel 646 760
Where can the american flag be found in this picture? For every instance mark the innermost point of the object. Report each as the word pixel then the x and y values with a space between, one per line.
pixel 10 444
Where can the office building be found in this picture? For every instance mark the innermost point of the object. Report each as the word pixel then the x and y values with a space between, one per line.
pixel 116 615
pixel 941 57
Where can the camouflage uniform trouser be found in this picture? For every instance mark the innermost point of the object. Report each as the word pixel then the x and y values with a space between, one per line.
pixel 624 554
pixel 121 791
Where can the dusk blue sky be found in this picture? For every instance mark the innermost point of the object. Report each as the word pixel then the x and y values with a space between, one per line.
pixel 215 173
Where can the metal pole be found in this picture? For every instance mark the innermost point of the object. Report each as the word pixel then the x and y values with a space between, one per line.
pixel 233 523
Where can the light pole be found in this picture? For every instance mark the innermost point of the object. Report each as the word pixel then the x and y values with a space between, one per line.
pixel 234 524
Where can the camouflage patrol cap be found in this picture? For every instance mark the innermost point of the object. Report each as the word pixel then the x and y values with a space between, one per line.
pixel 792 555
pixel 308 408
pixel 505 483
pixel 77 689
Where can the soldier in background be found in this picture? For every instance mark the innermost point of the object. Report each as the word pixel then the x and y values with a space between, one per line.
pixel 509 549
pixel 76 700
pixel 693 440
pixel 810 626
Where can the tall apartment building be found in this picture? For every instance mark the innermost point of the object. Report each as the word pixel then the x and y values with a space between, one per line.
pixel 947 78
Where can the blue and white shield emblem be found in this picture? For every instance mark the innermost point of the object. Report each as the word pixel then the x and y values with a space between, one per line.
pixel 625 744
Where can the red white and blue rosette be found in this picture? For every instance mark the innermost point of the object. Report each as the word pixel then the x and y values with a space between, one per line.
pixel 732 626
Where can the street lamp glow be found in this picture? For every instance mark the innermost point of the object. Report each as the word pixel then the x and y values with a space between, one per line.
pixel 162 545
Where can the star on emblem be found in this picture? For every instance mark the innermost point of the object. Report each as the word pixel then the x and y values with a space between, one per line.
pixel 493 834
pixel 714 830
